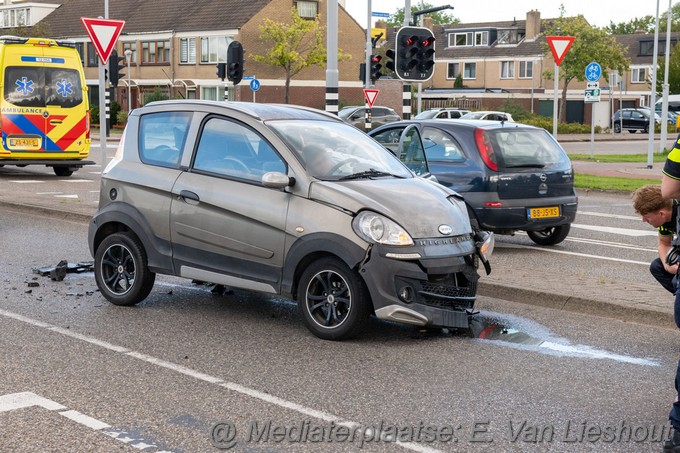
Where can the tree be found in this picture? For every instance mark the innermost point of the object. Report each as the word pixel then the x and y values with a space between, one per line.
pixel 646 24
pixel 458 83
pixel 673 72
pixel 295 46
pixel 591 44
pixel 440 17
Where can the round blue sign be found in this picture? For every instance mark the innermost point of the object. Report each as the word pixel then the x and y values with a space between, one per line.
pixel 254 84
pixel 593 72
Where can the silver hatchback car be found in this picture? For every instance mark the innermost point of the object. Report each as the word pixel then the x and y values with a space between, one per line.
pixel 283 200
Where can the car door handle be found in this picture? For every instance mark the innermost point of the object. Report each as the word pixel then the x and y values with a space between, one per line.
pixel 187 195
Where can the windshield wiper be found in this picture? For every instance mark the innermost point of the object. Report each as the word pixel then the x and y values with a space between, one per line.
pixel 368 174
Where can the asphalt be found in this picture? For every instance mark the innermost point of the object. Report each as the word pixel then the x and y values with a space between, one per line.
pixel 628 302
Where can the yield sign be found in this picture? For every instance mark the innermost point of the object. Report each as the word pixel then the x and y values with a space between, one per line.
pixel 103 33
pixel 559 45
pixel 370 96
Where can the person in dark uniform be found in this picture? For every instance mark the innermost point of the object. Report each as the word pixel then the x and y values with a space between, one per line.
pixel 660 213
pixel 670 189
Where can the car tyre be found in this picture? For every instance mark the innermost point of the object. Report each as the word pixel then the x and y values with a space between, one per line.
pixel 333 299
pixel 617 128
pixel 62 171
pixel 121 269
pixel 632 131
pixel 550 236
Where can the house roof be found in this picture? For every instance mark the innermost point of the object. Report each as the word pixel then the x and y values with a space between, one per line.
pixel 632 42
pixel 147 16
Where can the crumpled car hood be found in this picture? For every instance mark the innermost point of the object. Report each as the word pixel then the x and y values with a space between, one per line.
pixel 419 206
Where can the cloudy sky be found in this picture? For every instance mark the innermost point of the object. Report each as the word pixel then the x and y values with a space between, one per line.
pixel 598 12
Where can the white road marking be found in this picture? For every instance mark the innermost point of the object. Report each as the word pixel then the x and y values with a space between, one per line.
pixel 611 216
pixel 28 181
pixel 564 252
pixel 95 172
pixel 67 196
pixel 85 420
pixel 611 244
pixel 614 230
pixel 48 193
pixel 234 387
pixel 23 400
pixel 76 180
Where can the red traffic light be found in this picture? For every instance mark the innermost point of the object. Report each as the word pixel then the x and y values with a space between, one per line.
pixel 427 42
pixel 376 59
pixel 411 41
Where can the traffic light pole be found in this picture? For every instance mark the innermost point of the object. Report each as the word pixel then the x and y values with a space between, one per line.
pixel 367 77
pixel 332 76
pixel 406 91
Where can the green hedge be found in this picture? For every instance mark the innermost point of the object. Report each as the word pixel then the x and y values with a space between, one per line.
pixel 562 128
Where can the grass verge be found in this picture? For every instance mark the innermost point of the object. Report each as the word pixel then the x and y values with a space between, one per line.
pixel 616 183
pixel 658 157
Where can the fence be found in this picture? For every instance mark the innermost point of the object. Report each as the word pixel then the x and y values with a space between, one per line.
pixel 468 104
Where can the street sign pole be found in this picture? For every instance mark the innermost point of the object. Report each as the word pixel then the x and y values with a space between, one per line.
pixel 555 88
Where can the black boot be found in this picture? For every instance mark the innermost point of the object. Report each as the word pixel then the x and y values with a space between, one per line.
pixel 672 445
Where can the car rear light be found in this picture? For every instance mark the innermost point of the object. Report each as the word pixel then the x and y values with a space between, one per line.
pixel 493 204
pixel 486 149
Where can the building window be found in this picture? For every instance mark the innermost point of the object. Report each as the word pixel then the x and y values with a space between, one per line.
pixel 507 69
pixel 482 38
pixel 187 50
pixel 307 10
pixel 16 17
pixel 470 71
pixel 132 46
pixel 460 39
pixel 509 36
pixel 92 57
pixel 453 70
pixel 214 49
pixel 638 75
pixel 216 93
pixel 155 52
pixel 80 47
pixel 526 69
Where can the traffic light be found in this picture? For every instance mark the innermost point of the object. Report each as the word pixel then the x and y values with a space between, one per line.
pixel 375 67
pixel 414 57
pixel 392 56
pixel 221 70
pixel 235 62
pixel 115 68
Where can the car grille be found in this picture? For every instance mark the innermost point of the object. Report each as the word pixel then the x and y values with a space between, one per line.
pixel 449 296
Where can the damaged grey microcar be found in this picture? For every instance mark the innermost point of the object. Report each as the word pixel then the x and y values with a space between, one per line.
pixel 287 201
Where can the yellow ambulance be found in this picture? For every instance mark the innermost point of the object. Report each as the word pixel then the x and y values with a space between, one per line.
pixel 44 112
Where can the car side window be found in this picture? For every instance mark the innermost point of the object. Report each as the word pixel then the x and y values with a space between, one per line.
pixel 439 145
pixel 442 115
pixel 162 136
pixel 389 138
pixel 637 115
pixel 231 149
pixel 626 114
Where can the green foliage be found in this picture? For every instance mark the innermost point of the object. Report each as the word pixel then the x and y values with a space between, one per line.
pixel 156 95
pixel 619 158
pixel 546 123
pixel 115 108
pixel 94 115
pixel 646 24
pixel 438 18
pixel 294 46
pixel 591 44
pixel 458 83
pixel 616 183
pixel 515 109
pixel 673 72
pixel 121 117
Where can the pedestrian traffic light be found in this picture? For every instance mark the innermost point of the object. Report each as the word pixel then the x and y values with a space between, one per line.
pixel 235 62
pixel 375 67
pixel 221 70
pixel 414 57
pixel 115 68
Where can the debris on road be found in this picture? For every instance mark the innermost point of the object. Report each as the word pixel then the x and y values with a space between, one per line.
pixel 58 272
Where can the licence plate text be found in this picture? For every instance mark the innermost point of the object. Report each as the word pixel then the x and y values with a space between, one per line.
pixel 543 213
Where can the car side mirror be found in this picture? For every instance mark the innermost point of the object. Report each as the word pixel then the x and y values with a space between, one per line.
pixel 276 180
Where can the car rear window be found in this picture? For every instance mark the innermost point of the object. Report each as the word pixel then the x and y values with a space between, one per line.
pixel 526 148
pixel 42 86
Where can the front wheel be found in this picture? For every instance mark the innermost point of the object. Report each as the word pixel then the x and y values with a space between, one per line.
pixel 550 236
pixel 121 271
pixel 617 127
pixel 333 299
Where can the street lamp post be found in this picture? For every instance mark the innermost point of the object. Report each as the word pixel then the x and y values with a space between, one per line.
pixel 128 57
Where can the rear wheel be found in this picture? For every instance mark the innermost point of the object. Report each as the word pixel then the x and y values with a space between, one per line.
pixel 632 131
pixel 121 270
pixel 62 171
pixel 550 236
pixel 333 299
pixel 617 127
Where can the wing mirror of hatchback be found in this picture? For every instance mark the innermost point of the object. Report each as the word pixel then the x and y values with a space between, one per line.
pixel 277 180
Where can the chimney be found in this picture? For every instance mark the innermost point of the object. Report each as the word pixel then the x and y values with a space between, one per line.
pixel 427 22
pixel 380 23
pixel 533 26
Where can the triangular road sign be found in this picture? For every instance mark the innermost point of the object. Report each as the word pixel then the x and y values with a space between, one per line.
pixel 103 33
pixel 559 45
pixel 370 96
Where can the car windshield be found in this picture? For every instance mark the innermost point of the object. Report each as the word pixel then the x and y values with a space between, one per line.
pixel 333 151
pixel 526 148
pixel 427 114
pixel 473 115
pixel 346 112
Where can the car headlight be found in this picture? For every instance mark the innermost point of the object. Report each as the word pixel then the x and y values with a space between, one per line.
pixel 376 228
pixel 486 244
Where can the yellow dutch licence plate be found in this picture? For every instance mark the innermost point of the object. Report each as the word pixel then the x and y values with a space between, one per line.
pixel 543 213
pixel 24 143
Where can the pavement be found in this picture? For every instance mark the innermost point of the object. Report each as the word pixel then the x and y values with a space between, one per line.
pixel 628 302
